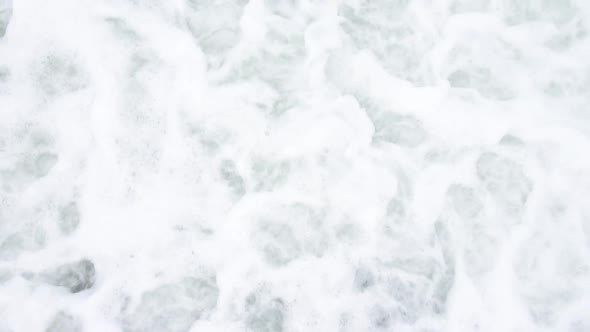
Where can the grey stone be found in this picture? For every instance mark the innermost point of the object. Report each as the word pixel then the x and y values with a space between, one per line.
pixel 44 162
pixel 64 322
pixel 5 15
pixel 267 317
pixel 76 277
pixel 173 307
pixel 363 279
pixel 278 243
pixel 11 247
pixel 69 218
pixel 398 129
pixel 464 201
pixel 505 180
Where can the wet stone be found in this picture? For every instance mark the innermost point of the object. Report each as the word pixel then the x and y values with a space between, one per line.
pixel 483 80
pixel 122 29
pixel 11 247
pixel 44 163
pixel 268 175
pixel 461 6
pixel 511 140
pixel 442 289
pixel 232 178
pixel 505 180
pixel 173 307
pixel 523 11
pixel 4 74
pixel 5 15
pixel 465 201
pixel 61 74
pixel 363 279
pixel 69 218
pixel 267 317
pixel 64 322
pixel 76 277
pixel 278 243
pixel 380 318
pixel 5 275
pixel 398 129
pixel 215 25
pixel 396 211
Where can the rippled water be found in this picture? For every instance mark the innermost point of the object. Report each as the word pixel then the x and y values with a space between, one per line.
pixel 294 165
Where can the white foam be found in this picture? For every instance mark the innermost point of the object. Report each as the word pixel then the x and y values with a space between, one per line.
pixel 275 165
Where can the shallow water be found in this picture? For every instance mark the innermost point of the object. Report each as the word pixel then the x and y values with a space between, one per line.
pixel 294 165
